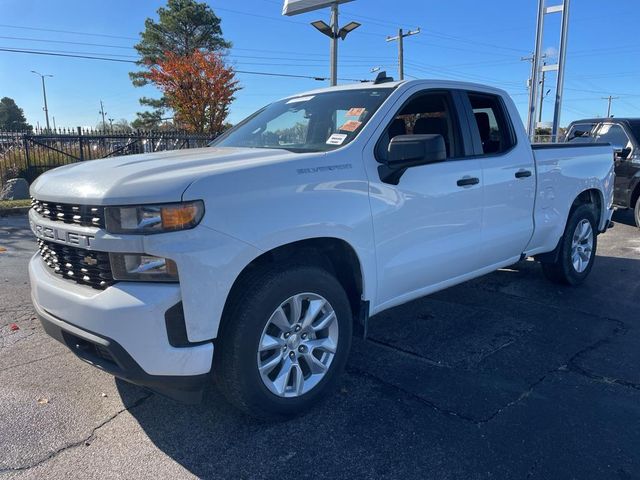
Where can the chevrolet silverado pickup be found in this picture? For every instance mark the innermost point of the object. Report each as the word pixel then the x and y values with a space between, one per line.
pixel 252 260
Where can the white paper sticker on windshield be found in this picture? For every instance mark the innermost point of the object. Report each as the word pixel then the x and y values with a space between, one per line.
pixel 336 139
pixel 301 99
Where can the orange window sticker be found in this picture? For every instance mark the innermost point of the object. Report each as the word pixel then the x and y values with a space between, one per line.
pixel 350 126
pixel 355 112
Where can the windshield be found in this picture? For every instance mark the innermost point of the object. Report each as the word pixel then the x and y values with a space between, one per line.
pixel 310 123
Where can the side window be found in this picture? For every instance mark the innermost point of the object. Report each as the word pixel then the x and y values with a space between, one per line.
pixel 491 123
pixel 580 133
pixel 428 113
pixel 613 134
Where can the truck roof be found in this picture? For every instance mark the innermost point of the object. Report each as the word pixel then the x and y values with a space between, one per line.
pixel 394 84
pixel 608 119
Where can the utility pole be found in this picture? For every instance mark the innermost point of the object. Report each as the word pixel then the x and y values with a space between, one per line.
pixel 54 123
pixel 530 84
pixel 44 94
pixel 542 94
pixel 103 113
pixel 609 98
pixel 400 38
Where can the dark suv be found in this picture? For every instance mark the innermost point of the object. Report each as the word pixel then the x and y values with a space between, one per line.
pixel 624 135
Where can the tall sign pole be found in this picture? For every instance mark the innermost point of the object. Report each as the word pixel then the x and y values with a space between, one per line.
pixel 562 56
pixel 537 69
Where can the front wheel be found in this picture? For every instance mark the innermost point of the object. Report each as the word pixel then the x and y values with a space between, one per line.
pixel 284 342
pixel 577 249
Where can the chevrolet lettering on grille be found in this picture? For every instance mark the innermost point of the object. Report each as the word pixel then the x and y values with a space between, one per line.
pixel 61 235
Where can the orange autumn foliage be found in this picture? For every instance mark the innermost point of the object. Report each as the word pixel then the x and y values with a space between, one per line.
pixel 199 87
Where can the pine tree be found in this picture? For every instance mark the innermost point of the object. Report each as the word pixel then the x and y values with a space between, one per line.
pixel 12 117
pixel 182 27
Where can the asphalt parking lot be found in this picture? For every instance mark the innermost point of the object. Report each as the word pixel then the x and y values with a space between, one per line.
pixel 507 376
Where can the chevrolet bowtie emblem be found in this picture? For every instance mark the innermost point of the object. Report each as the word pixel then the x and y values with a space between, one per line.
pixel 90 260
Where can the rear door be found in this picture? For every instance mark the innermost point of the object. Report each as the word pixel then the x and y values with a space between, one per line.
pixel 509 178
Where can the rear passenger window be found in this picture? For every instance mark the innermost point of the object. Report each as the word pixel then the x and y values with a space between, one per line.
pixel 491 123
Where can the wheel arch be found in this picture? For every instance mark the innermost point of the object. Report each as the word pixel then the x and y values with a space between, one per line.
pixel 589 196
pixel 333 254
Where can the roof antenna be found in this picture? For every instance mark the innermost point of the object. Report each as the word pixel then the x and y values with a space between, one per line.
pixel 382 78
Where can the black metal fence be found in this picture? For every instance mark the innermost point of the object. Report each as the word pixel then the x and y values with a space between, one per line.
pixel 28 154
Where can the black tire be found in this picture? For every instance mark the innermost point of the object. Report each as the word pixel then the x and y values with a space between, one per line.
pixel 636 212
pixel 235 363
pixel 562 270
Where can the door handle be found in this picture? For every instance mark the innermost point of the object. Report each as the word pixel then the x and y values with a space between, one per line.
pixel 523 173
pixel 468 181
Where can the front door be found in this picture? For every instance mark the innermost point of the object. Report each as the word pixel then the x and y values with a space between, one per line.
pixel 427 228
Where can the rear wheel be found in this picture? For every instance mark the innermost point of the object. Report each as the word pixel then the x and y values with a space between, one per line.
pixel 577 249
pixel 636 212
pixel 284 342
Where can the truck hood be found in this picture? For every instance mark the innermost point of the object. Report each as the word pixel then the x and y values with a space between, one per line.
pixel 146 178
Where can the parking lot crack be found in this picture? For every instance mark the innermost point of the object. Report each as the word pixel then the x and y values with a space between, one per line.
pixel 570 365
pixel 410 353
pixel 574 367
pixel 35 360
pixel 433 406
pixel 85 441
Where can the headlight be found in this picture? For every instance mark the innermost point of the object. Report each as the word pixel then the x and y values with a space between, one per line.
pixel 142 268
pixel 147 219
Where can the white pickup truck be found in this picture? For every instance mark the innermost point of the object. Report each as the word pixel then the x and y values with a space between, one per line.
pixel 252 259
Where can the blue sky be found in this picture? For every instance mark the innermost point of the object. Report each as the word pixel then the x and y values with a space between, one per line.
pixel 480 41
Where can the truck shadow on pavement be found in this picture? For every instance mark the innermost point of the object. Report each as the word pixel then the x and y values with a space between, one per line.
pixel 487 376
pixel 624 216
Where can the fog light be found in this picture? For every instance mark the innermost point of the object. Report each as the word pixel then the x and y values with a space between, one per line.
pixel 143 268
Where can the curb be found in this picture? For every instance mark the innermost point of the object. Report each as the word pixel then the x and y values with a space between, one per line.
pixel 4 212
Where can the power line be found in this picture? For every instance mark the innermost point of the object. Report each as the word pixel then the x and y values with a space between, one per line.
pixel 247 72
pixel 68 31
pixel 47 40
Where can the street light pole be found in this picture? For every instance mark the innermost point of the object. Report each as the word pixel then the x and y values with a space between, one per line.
pixel 333 54
pixel 103 113
pixel 44 94
pixel 334 32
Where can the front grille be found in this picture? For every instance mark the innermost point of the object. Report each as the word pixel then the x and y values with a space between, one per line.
pixel 85 215
pixel 81 266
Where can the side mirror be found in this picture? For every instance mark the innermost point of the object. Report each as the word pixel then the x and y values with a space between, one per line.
pixel 406 151
pixel 621 153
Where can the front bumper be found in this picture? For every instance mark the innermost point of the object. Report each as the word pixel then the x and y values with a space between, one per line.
pixel 121 330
